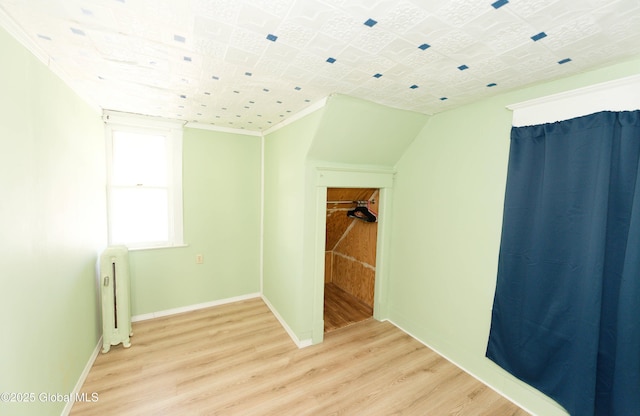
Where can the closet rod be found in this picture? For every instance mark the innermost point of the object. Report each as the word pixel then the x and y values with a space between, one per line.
pixel 373 201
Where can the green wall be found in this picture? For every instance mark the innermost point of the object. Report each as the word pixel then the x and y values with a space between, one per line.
pixel 52 217
pixel 221 197
pixel 448 201
pixel 285 286
pixel 354 132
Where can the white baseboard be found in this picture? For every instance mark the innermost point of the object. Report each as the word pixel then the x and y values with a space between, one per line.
pixel 167 312
pixel 300 343
pixel 83 376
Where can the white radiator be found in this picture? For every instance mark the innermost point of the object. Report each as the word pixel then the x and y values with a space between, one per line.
pixel 116 305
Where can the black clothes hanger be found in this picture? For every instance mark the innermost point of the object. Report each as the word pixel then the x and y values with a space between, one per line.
pixel 363 213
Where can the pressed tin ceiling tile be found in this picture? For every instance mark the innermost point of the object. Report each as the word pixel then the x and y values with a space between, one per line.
pixel 249 64
pixel 459 12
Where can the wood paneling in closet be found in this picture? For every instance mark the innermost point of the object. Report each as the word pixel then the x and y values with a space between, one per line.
pixel 354 277
pixel 351 244
pixel 328 266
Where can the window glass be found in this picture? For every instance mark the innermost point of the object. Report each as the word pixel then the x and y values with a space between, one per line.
pixel 139 159
pixel 144 186
pixel 139 215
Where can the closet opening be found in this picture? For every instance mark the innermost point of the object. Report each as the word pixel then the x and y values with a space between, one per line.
pixel 350 256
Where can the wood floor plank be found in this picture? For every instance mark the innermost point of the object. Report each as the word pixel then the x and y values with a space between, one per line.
pixel 342 309
pixel 236 359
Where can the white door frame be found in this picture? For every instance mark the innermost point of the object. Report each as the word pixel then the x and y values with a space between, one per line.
pixel 349 177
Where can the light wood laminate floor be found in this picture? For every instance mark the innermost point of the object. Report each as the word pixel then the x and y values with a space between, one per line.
pixel 236 359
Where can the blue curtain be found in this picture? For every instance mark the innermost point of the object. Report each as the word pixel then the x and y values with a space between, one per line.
pixel 566 312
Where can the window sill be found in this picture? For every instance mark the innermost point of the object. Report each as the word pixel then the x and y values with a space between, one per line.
pixel 142 248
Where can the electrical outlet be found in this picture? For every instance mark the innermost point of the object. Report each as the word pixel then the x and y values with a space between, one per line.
pixel 199 259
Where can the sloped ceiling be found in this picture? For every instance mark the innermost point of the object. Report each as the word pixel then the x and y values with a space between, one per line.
pixel 357 132
pixel 250 64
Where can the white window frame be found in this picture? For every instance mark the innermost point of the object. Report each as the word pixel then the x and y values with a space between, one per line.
pixel 172 130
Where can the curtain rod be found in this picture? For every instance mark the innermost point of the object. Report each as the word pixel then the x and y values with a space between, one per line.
pixel 373 201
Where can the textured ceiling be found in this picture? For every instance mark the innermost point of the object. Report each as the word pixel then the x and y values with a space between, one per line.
pixel 250 64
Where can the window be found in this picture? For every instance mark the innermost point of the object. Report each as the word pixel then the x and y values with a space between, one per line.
pixel 144 185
